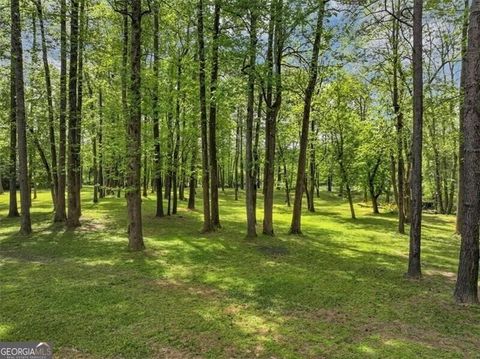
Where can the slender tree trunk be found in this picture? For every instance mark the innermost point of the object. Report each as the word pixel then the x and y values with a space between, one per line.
pixel 212 123
pixel 414 265
pixel 133 135
pixel 311 204
pixel 466 288
pixel 274 62
pixel 302 158
pixel 207 219
pixel 17 58
pixel 13 206
pixel 461 147
pixel 193 177
pixel 399 116
pixel 101 181
pixel 60 212
pixel 237 155
pixel 250 165
pixel 156 115
pixel 48 86
pixel 95 167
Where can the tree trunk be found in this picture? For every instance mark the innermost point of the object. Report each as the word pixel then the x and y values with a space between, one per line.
pixel 274 62
pixel 302 158
pixel 399 125
pixel 133 135
pixel 60 212
pixel 48 86
pixel 193 177
pixel 212 123
pixel 156 115
pixel 311 204
pixel 250 165
pixel 73 218
pixel 17 58
pixel 207 219
pixel 466 288
pixel 13 206
pixel 461 147
pixel 414 264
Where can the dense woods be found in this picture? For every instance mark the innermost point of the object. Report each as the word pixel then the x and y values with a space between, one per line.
pixel 374 101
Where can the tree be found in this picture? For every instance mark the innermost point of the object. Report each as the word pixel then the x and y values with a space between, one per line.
pixel 21 123
pixel 274 75
pixel 133 134
pixel 207 220
pixel 295 227
pixel 250 165
pixel 466 288
pixel 212 120
pixel 156 125
pixel 60 210
pixel 73 217
pixel 414 266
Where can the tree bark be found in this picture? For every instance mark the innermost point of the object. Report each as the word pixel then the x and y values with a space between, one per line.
pixel 250 165
pixel 13 206
pixel 17 58
pixel 51 116
pixel 399 125
pixel 133 135
pixel 212 123
pixel 295 227
pixel 73 217
pixel 466 288
pixel 414 264
pixel 156 115
pixel 461 147
pixel 207 219
pixel 274 62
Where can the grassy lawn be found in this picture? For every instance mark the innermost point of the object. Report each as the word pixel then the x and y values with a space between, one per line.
pixel 338 291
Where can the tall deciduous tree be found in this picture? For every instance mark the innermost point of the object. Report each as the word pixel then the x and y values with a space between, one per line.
pixel 466 288
pixel 295 227
pixel 156 115
pixel 21 123
pixel 60 210
pixel 133 134
pixel 273 103
pixel 73 218
pixel 207 219
pixel 212 121
pixel 250 165
pixel 414 266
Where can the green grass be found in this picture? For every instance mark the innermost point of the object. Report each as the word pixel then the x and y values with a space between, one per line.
pixel 338 291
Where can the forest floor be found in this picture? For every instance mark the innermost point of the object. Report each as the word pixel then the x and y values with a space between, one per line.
pixel 338 291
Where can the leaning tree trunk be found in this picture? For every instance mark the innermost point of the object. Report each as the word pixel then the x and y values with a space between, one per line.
pixel 207 221
pixel 17 58
pixel 466 288
pixel 414 265
pixel 250 165
pixel 48 86
pixel 133 135
pixel 302 158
